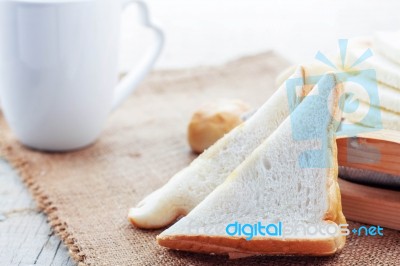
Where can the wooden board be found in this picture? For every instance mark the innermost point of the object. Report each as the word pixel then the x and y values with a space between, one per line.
pixel 377 151
pixel 370 205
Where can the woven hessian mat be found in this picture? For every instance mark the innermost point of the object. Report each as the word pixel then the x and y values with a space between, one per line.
pixel 86 194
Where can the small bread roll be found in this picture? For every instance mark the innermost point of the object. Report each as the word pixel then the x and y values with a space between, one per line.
pixel 213 120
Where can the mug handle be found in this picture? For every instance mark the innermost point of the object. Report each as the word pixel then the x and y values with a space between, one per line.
pixel 129 83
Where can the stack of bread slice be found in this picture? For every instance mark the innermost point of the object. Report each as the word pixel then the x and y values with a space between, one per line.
pixel 385 61
pixel 279 166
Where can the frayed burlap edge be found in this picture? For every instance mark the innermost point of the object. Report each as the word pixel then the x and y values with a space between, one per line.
pixel 44 204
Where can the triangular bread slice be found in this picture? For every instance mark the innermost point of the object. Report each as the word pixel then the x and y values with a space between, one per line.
pixel 191 185
pixel 290 178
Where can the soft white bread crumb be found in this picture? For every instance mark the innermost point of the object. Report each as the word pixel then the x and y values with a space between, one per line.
pixel 272 185
pixel 191 185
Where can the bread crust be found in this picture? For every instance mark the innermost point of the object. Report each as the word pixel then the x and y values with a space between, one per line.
pixel 256 246
pixel 334 212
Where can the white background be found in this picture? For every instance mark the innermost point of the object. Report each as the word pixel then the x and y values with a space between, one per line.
pixel 204 32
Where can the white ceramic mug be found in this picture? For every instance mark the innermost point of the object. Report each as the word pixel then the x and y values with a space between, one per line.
pixel 59 68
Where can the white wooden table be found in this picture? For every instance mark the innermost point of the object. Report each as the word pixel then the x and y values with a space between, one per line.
pixel 199 32
pixel 25 236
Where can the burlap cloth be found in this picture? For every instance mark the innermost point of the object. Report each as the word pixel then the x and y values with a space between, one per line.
pixel 86 194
